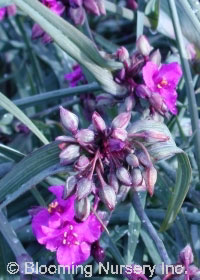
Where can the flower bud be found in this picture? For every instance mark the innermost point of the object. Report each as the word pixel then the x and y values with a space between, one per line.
pixel 122 194
pixel 191 52
pixel 122 54
pixel 154 136
pixel 136 177
pixel 108 197
pixel 11 10
pixel 186 256
pixel 104 100
pixel 129 103
pixel 37 31
pixel 112 180
pixel 132 160
pixel 150 177
pixel 70 186
pixel 143 45
pixel 122 120
pixel 77 15
pixel 101 6
pixel 124 176
pixel 143 159
pixel 69 154
pixel 92 6
pixel 98 122
pixel 120 133
pixel 155 57
pixel 85 136
pixel 132 4
pixel 75 3
pixel 98 252
pixel 64 138
pixel 69 120
pixel 156 101
pixel 143 91
pixel 82 209
pixel 82 163
pixel 84 188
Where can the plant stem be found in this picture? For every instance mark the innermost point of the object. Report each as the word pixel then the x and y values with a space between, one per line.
pixel 150 228
pixel 188 79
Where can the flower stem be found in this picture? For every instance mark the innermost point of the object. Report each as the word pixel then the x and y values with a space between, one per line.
pixel 150 228
pixel 188 79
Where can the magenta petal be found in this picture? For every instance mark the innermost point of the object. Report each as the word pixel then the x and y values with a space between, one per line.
pixel 77 15
pixel 170 100
pixel 11 10
pixel 55 220
pixel 41 218
pixel 92 227
pixel 171 72
pixel 149 71
pixel 73 255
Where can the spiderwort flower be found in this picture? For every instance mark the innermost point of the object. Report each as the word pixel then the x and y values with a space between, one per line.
pixel 105 156
pixel 76 76
pixel 55 6
pixel 163 80
pixel 9 11
pixel 57 229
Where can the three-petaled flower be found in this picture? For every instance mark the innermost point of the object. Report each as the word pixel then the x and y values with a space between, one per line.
pixel 57 229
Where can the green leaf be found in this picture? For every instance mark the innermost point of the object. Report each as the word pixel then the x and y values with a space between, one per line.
pixel 151 248
pixel 152 12
pixel 180 191
pixel 4 3
pixel 15 111
pixel 74 43
pixel 11 153
pixel 30 171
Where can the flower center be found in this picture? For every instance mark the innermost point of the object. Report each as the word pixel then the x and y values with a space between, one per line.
pixel 70 237
pixel 52 206
pixel 164 82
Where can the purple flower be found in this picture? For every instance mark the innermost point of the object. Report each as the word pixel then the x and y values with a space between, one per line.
pixel 58 8
pixel 57 229
pixel 9 11
pixel 76 76
pixel 163 80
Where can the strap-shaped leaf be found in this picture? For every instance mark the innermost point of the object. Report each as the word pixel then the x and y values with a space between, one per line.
pixel 11 153
pixel 163 150
pixel 73 42
pixel 180 190
pixel 15 111
pixel 32 169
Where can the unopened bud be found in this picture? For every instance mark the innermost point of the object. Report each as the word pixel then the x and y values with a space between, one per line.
pixel 108 197
pixel 98 122
pixel 85 136
pixel 132 4
pixel 77 15
pixel 155 57
pixel 82 163
pixel 11 10
pixel 84 188
pixel 101 6
pixel 136 177
pixel 156 101
pixel 122 120
pixel 70 186
pixel 143 91
pixel 112 180
pixel 129 103
pixel 92 6
pixel 122 194
pixel 64 138
pixel 98 252
pixel 143 45
pixel 186 256
pixel 69 120
pixel 122 54
pixel 144 159
pixel 69 154
pixel 154 136
pixel 132 160
pixel 124 176
pixel 150 177
pixel 120 133
pixel 83 209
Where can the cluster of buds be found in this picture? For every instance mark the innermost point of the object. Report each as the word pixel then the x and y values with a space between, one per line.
pixel 146 78
pixel 77 8
pixel 106 159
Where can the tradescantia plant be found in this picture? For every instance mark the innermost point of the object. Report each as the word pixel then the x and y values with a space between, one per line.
pixel 112 182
